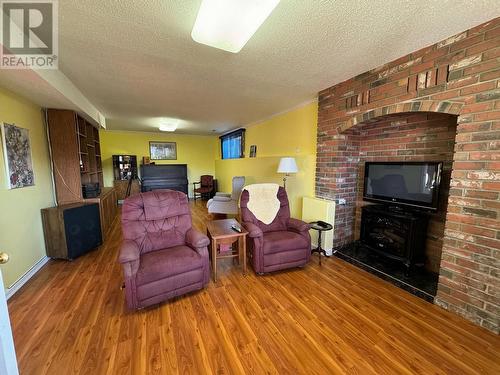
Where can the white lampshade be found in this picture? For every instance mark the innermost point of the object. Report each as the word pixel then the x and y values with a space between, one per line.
pixel 287 165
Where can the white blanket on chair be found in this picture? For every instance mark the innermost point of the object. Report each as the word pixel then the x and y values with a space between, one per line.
pixel 263 201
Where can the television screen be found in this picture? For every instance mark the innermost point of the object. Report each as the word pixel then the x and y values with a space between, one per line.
pixel 410 183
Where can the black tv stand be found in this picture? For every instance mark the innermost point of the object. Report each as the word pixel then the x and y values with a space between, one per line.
pixel 394 208
pixel 396 234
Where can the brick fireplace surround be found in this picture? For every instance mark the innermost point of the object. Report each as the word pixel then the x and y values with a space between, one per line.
pixel 408 137
pixel 454 81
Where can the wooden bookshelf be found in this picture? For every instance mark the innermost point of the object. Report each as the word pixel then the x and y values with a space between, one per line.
pixel 76 159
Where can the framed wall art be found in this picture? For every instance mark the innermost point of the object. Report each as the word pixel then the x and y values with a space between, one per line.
pixel 17 156
pixel 163 150
pixel 253 151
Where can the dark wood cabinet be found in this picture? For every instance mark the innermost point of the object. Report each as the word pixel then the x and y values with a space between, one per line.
pixel 124 167
pixel 399 235
pixel 71 230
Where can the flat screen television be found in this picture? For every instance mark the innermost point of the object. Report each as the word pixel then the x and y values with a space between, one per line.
pixel 413 184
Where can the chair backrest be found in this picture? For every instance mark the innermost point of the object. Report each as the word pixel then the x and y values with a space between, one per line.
pixel 207 180
pixel 156 220
pixel 238 183
pixel 281 220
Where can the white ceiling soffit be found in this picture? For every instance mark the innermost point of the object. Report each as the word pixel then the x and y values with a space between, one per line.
pixel 49 88
pixel 136 62
pixel 63 85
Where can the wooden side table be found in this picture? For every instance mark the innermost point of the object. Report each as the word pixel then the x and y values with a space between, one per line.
pixel 320 229
pixel 222 238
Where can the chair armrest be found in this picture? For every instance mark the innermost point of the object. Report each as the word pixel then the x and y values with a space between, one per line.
pixel 298 226
pixel 253 230
pixel 197 183
pixel 196 239
pixel 129 252
pixel 219 198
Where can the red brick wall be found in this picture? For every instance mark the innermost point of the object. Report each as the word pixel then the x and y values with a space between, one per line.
pixel 457 76
pixel 411 137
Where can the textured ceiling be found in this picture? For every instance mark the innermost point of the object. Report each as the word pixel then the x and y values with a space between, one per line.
pixel 136 61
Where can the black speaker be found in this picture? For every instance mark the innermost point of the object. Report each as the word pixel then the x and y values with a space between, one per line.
pixel 82 226
pixel 91 190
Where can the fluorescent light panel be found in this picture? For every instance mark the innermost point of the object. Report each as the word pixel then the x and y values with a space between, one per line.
pixel 229 24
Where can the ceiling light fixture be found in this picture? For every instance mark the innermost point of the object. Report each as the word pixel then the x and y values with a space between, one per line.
pixel 229 24
pixel 168 125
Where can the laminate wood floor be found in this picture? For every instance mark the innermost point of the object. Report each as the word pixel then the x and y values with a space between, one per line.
pixel 71 319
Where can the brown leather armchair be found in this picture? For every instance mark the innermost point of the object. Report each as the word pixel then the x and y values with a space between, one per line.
pixel 285 243
pixel 161 254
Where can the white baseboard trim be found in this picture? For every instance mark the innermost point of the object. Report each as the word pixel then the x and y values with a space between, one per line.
pixel 9 292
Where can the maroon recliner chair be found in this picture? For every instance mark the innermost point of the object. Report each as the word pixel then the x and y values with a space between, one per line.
pixel 162 255
pixel 285 243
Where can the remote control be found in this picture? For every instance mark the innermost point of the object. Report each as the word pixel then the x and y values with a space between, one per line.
pixel 236 228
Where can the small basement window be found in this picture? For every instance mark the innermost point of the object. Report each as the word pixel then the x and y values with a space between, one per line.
pixel 233 144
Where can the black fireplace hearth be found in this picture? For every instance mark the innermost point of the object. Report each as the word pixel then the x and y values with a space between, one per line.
pixel 419 282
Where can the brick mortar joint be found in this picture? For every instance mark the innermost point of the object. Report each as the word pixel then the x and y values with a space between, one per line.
pixel 471 287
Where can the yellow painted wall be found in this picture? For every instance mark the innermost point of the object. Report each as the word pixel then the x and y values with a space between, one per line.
pixel 21 234
pixel 290 134
pixel 197 151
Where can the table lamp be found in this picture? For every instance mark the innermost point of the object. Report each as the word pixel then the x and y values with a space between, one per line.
pixel 287 166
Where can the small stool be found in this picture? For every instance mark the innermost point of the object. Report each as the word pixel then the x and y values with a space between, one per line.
pixel 320 229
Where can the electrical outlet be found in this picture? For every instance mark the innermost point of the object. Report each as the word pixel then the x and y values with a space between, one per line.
pixel 342 202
